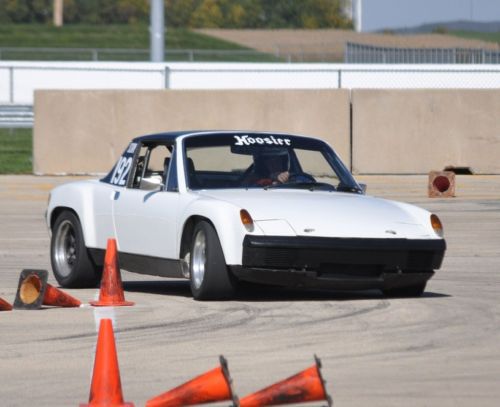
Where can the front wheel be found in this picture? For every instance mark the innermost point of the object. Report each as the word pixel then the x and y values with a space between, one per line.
pixel 72 266
pixel 209 276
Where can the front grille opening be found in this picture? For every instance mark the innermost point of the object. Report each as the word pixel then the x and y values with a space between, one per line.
pixel 420 260
pixel 280 257
pixel 333 269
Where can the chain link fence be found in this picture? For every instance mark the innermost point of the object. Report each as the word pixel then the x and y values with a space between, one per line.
pixel 369 54
pixel 126 54
pixel 353 53
pixel 279 54
pixel 19 80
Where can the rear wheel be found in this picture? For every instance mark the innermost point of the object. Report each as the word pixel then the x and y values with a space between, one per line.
pixel 209 277
pixel 72 266
pixel 415 290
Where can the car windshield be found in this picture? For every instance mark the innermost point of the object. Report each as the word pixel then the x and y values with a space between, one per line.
pixel 264 161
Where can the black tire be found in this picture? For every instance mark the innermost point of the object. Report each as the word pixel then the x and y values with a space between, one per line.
pixel 209 277
pixel 406 292
pixel 71 263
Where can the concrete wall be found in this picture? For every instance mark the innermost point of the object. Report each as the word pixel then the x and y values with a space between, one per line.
pixel 85 131
pixel 393 131
pixel 415 131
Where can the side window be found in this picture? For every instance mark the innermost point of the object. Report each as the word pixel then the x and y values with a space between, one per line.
pixel 151 167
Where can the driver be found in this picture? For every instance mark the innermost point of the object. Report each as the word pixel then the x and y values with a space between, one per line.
pixel 270 167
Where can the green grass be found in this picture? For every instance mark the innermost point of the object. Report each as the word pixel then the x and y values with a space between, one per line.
pixel 492 37
pixel 16 151
pixel 101 36
pixel 133 36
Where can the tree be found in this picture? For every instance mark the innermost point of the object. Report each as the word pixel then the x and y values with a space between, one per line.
pixel 207 15
pixel 282 13
pixel 18 11
pixel 132 11
pixel 178 12
pixel 41 10
pixel 186 13
pixel 236 16
pixel 71 12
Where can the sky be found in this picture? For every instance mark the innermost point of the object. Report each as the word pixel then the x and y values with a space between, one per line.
pixel 380 14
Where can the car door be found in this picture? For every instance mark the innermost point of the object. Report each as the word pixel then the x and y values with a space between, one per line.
pixel 144 212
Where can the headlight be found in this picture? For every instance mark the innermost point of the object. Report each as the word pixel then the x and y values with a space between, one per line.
pixel 437 225
pixel 247 220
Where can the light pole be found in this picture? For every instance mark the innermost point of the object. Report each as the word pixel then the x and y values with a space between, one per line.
pixel 357 13
pixel 157 30
pixel 58 13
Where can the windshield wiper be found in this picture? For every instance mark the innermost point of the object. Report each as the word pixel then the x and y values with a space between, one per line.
pixel 311 186
pixel 346 188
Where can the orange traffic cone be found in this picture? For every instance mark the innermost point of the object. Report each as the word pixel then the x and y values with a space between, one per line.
pixel 4 305
pixel 106 387
pixel 33 291
pixel 111 292
pixel 209 387
pixel 305 386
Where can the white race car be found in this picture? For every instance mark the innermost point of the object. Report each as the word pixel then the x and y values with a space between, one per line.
pixel 224 207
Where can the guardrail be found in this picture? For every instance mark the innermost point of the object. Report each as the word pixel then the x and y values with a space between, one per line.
pixel 16 116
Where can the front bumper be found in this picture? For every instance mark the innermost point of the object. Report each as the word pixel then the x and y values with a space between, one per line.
pixel 343 263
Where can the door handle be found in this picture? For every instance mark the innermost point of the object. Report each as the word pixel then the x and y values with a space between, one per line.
pixel 115 195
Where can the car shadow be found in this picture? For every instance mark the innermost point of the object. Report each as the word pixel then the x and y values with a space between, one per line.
pixel 261 293
pixel 179 288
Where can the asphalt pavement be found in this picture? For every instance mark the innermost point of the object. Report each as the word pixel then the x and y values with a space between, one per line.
pixel 438 350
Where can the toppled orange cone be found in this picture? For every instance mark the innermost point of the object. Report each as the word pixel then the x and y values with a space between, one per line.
pixel 33 291
pixel 305 386
pixel 441 184
pixel 209 387
pixel 4 305
pixel 106 387
pixel 111 292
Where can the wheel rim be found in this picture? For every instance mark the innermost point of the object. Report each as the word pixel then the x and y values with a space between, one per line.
pixel 199 259
pixel 65 253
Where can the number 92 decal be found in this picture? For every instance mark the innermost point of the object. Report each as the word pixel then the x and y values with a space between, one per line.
pixel 121 171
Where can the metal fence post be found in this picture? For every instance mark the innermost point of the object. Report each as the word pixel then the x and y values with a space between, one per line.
pixel 11 84
pixel 167 77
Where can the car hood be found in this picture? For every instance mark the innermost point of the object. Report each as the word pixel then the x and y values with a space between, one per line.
pixel 326 214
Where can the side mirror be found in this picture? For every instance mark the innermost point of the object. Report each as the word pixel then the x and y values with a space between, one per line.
pixel 363 187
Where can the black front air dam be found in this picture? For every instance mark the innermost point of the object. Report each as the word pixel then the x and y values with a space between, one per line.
pixel 336 281
pixel 345 263
pixel 311 252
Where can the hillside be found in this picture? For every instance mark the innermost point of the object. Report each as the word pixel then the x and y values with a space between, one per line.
pixel 469 26
pixel 330 43
pixel 133 38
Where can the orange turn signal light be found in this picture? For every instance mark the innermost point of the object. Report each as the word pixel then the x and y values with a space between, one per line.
pixel 437 225
pixel 246 219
